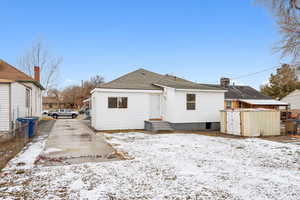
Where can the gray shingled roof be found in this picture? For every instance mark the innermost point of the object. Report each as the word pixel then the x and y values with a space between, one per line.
pixel 145 80
pixel 241 92
pixel 244 92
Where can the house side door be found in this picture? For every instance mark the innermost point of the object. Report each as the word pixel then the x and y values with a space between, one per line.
pixel 155 106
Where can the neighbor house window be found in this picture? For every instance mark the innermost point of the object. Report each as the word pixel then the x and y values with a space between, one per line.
pixel 27 99
pixel 117 102
pixel 191 101
pixel 228 104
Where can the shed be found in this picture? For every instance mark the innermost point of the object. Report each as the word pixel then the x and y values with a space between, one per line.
pixel 250 122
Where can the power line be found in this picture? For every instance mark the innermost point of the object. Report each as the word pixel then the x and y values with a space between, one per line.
pixel 254 73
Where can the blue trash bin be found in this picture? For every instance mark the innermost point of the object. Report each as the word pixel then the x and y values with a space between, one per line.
pixel 31 121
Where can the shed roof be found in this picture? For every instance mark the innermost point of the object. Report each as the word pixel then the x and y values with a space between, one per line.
pixel 264 102
pixel 146 80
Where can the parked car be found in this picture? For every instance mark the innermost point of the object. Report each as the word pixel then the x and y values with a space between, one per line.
pixel 83 110
pixel 45 112
pixel 63 113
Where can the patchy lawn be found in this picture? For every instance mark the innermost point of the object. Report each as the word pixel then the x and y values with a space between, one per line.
pixel 164 166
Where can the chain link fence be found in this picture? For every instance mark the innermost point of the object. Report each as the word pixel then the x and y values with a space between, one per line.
pixel 13 142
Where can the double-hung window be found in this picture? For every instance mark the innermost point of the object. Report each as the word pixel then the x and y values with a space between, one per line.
pixel 191 101
pixel 117 102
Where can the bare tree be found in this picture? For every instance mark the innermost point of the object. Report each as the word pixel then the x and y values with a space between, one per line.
pixel 97 80
pixel 75 94
pixel 287 14
pixel 38 55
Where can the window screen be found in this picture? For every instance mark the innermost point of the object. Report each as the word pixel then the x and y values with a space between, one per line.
pixel 112 102
pixel 191 102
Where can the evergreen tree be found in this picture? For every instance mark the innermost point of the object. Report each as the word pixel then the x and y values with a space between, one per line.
pixel 282 83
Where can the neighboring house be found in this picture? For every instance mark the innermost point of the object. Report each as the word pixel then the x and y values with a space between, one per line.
pixel 53 103
pixel 20 95
pixel 293 99
pixel 240 96
pixel 247 97
pixel 127 102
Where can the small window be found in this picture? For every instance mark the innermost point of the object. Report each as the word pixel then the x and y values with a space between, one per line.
pixel 27 99
pixel 191 102
pixel 117 102
pixel 228 104
pixel 112 102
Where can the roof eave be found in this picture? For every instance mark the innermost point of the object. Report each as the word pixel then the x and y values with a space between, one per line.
pixel 33 82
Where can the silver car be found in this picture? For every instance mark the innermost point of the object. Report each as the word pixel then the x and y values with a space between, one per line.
pixel 64 113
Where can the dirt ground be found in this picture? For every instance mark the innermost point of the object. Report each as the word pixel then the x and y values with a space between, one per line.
pixel 10 148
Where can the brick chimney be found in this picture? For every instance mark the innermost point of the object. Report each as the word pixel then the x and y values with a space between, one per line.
pixel 37 73
pixel 225 82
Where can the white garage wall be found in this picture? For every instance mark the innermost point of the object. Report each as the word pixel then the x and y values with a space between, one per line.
pixel 208 106
pixel 133 117
pixel 4 107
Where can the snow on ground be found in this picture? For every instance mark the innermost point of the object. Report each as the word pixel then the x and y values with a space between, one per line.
pixel 169 166
pixel 26 158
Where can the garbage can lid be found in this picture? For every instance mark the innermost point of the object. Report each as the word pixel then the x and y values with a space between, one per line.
pixel 27 119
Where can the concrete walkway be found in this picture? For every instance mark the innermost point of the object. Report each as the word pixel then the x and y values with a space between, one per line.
pixel 72 142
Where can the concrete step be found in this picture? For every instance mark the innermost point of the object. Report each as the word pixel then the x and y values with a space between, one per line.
pixel 159 126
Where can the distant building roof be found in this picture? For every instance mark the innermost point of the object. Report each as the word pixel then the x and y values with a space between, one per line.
pixel 146 80
pixel 241 92
pixel 9 72
pixel 50 100
pixel 244 92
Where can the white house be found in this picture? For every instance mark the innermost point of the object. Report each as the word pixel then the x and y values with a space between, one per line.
pixel 20 95
pixel 127 102
pixel 293 99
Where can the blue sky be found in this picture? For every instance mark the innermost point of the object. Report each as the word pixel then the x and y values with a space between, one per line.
pixel 197 40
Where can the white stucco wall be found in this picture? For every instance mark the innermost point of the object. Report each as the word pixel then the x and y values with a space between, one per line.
pixel 173 108
pixel 4 107
pixel 133 117
pixel 293 99
pixel 208 106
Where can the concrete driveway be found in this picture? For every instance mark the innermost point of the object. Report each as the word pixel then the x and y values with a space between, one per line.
pixel 71 142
